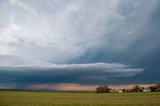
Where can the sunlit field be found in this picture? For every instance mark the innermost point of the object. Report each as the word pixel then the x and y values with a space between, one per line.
pixel 41 98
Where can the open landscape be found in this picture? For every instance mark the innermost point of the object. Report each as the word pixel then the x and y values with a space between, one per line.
pixel 79 52
pixel 48 98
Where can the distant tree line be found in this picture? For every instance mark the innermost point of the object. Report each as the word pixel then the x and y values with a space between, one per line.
pixel 136 88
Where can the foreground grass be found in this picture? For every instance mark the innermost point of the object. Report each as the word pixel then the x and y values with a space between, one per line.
pixel 39 98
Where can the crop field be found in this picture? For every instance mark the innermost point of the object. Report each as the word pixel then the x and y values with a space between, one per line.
pixel 42 98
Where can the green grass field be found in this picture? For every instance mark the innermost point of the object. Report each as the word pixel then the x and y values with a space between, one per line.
pixel 39 98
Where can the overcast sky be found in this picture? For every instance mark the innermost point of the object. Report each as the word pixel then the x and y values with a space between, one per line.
pixel 79 41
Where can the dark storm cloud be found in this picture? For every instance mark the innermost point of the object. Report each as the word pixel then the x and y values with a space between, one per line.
pixel 93 41
pixel 75 73
pixel 143 52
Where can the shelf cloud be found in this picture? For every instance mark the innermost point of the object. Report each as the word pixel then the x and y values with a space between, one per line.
pixel 66 72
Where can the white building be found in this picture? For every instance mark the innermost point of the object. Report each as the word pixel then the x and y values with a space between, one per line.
pixel 115 91
pixel 146 90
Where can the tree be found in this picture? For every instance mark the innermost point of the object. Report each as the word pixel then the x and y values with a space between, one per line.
pixel 157 87
pixel 152 88
pixel 136 88
pixel 141 89
pixel 102 89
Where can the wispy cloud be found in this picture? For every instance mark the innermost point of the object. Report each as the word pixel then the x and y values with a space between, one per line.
pixel 20 3
pixel 65 30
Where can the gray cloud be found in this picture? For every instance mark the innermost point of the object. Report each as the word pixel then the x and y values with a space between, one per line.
pixel 42 40
pixel 61 31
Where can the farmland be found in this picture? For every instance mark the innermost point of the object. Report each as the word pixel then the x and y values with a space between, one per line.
pixel 43 98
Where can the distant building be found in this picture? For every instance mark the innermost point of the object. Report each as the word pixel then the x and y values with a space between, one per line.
pixel 112 91
pixel 115 91
pixel 120 91
pixel 146 90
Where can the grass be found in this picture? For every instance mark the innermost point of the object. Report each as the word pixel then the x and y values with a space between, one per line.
pixel 40 98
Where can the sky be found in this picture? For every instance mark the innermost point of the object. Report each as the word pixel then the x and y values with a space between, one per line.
pixel 79 42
